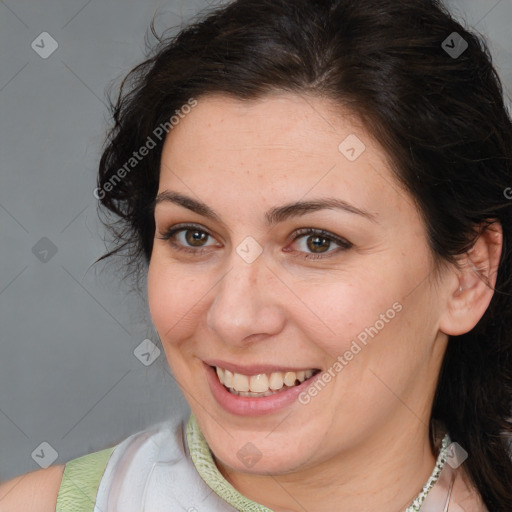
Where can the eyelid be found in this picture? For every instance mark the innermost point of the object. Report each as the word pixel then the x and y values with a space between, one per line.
pixel 183 226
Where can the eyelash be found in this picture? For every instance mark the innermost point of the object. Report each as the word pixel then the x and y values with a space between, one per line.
pixel 302 232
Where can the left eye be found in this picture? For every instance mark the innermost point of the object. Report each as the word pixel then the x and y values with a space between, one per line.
pixel 317 242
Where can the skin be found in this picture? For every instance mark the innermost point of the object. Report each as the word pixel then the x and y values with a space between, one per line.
pixel 35 491
pixel 362 442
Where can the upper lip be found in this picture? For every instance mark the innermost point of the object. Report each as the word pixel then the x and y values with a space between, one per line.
pixel 254 369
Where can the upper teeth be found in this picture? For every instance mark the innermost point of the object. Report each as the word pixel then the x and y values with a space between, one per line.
pixel 262 382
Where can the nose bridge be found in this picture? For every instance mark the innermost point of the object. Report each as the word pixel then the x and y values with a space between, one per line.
pixel 244 302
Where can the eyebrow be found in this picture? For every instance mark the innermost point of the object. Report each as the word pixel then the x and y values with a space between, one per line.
pixel 273 215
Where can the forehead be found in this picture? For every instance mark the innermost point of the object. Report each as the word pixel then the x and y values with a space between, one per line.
pixel 277 121
pixel 285 145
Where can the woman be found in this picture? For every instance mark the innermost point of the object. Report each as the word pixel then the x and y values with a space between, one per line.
pixel 316 192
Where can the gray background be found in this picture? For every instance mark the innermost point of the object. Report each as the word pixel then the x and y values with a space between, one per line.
pixel 68 373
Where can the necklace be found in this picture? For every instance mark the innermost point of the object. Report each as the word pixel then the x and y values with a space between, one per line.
pixel 415 506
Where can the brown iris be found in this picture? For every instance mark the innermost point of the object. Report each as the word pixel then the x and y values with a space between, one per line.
pixel 318 242
pixel 196 237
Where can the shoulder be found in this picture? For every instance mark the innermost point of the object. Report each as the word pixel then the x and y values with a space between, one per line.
pixel 36 491
pixel 44 490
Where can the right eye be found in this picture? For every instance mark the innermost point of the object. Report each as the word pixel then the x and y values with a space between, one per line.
pixel 188 237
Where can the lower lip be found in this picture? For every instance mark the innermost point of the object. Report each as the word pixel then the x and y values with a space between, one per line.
pixel 253 406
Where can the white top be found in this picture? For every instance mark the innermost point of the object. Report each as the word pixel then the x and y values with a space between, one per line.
pixel 155 471
pixel 152 471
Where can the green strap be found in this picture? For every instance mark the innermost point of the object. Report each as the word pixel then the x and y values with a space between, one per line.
pixel 81 480
pixel 203 461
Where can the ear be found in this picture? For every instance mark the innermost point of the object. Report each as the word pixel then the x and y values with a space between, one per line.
pixel 472 287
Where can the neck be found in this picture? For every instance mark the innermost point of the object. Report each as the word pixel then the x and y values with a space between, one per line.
pixel 383 474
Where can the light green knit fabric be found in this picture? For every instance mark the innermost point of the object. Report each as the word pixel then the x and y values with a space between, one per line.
pixel 82 476
pixel 81 480
pixel 205 465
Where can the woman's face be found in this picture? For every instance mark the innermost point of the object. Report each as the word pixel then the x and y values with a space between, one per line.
pixel 296 251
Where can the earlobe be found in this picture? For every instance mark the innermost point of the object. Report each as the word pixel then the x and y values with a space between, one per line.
pixel 473 285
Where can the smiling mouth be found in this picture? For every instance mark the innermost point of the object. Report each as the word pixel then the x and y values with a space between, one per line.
pixel 262 384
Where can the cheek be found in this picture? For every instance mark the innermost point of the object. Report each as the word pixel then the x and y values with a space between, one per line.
pixel 334 314
pixel 176 299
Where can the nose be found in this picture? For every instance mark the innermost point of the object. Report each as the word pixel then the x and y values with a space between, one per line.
pixel 246 307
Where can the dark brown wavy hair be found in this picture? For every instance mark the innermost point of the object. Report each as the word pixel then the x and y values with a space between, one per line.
pixel 440 117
